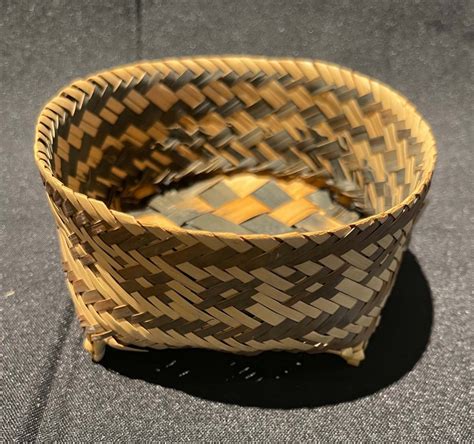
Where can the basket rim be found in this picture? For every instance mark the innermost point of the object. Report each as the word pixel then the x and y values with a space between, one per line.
pixel 46 172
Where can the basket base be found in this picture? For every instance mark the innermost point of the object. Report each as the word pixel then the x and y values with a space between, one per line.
pixel 247 203
pixel 352 355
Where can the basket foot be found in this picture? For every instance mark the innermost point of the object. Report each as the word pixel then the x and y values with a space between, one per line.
pixel 353 355
pixel 95 348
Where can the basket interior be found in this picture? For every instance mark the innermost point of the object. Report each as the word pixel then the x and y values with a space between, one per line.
pixel 238 145
pixel 246 203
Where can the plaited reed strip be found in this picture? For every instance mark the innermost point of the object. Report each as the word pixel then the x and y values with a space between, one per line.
pixel 278 196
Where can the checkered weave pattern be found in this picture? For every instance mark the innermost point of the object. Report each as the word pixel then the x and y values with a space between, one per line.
pixel 245 204
pixel 302 183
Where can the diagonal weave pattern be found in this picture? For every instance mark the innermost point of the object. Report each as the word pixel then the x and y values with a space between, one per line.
pixel 330 141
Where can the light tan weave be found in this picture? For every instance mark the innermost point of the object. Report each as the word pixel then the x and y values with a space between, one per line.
pixel 232 203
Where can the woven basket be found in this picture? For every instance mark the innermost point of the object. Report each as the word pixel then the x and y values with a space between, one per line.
pixel 232 203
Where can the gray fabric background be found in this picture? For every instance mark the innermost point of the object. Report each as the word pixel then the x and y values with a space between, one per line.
pixel 414 385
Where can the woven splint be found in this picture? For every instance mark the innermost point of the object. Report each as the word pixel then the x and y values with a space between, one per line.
pixel 232 203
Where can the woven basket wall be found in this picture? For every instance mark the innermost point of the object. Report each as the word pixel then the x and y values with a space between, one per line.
pixel 232 203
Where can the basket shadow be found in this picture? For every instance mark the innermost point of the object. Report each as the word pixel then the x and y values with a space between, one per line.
pixel 292 380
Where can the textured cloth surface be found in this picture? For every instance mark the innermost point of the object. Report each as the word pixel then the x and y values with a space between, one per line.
pixel 414 384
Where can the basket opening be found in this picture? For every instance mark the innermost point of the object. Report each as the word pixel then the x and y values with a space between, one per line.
pixel 200 138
